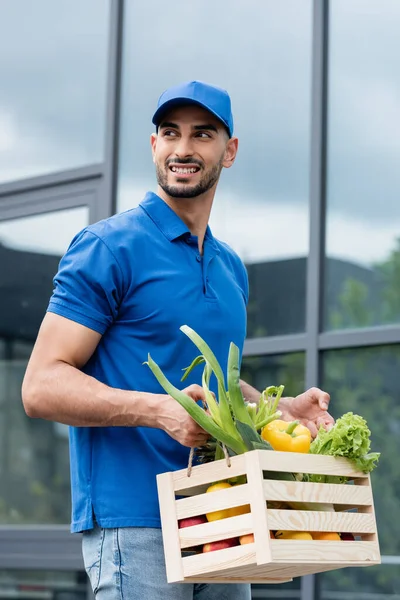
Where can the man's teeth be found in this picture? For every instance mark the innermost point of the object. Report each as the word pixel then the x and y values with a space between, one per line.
pixel 183 171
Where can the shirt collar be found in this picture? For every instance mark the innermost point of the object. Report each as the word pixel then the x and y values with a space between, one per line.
pixel 167 220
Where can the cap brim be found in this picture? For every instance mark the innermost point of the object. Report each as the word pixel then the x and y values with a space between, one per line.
pixel 170 104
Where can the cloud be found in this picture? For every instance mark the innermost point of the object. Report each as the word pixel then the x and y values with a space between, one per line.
pixel 50 233
pixel 53 72
pixel 53 85
pixel 263 229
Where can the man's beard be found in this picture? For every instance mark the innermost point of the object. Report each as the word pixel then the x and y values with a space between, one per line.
pixel 186 191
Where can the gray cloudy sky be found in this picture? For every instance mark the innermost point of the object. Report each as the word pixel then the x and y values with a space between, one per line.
pixel 52 94
pixel 52 99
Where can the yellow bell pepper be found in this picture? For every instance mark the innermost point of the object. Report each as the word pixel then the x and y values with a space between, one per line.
pixel 287 437
pixel 293 535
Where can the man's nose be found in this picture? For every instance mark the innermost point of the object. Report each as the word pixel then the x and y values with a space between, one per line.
pixel 184 147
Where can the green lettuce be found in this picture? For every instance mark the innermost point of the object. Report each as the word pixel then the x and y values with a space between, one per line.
pixel 349 437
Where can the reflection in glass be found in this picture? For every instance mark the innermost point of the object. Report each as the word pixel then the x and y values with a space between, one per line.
pixel 282 591
pixel 363 221
pixel 53 68
pixel 282 369
pixel 43 585
pixel 261 206
pixel 34 465
pixel 366 381
pixel 379 582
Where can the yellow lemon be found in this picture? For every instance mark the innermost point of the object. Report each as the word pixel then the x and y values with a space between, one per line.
pixel 239 510
pixel 219 514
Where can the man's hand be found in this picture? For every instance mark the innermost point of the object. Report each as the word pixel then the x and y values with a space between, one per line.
pixel 174 419
pixel 310 408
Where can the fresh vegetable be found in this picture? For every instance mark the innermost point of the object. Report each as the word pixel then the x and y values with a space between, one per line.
pixel 326 535
pixel 287 437
pixel 349 437
pixel 227 512
pixel 191 521
pixel 229 420
pixel 221 544
pixel 293 535
pixel 218 514
pixel 248 538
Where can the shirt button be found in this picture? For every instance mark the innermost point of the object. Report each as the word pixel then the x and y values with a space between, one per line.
pixel 198 258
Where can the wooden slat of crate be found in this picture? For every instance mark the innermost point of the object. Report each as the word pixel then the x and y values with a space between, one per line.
pixel 251 576
pixel 213 501
pixel 258 508
pixel 210 562
pixel 308 552
pixel 170 531
pixel 242 560
pixel 216 530
pixel 251 573
pixel 304 520
pixel 328 493
pixel 204 475
pixel 370 510
pixel 290 462
pixel 265 574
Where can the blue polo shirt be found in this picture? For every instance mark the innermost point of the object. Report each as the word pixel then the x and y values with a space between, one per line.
pixel 136 278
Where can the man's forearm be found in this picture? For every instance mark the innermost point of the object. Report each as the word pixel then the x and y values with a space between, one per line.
pixel 64 394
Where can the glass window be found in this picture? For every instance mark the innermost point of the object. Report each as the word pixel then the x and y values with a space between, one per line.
pixel 283 369
pixel 53 64
pixel 34 462
pixel 43 585
pixel 366 382
pixel 380 582
pixel 261 206
pixel 281 591
pixel 363 209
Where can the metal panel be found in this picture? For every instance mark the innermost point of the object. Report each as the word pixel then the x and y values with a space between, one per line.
pixel 44 181
pixel 317 185
pixel 53 547
pixel 317 208
pixel 59 196
pixel 353 338
pixel 107 203
pixel 40 548
pixel 275 345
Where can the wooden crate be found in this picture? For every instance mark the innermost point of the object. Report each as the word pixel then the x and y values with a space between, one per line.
pixel 266 560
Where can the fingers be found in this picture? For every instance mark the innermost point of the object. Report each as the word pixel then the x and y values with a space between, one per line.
pixel 195 391
pixel 319 396
pixel 313 428
pixel 323 400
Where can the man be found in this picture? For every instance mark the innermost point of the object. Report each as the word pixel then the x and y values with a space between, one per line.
pixel 123 289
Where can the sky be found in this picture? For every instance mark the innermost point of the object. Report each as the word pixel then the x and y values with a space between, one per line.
pixel 52 106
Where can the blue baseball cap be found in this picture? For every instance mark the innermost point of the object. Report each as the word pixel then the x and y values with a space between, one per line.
pixel 212 98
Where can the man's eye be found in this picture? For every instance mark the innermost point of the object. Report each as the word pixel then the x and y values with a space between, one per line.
pixel 169 133
pixel 203 134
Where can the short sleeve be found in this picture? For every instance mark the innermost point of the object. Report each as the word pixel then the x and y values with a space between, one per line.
pixel 88 286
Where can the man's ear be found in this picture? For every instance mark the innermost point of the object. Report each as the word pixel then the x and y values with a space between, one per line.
pixel 230 152
pixel 153 143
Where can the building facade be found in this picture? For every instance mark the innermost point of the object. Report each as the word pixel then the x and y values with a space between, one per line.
pixel 311 205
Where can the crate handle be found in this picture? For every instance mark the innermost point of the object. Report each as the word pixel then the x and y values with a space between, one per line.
pixel 191 455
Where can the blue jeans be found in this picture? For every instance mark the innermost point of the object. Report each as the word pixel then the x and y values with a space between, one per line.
pixel 128 564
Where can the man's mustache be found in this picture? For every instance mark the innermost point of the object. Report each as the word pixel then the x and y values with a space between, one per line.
pixel 184 161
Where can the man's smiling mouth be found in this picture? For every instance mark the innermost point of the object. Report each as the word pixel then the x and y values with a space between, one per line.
pixel 181 170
